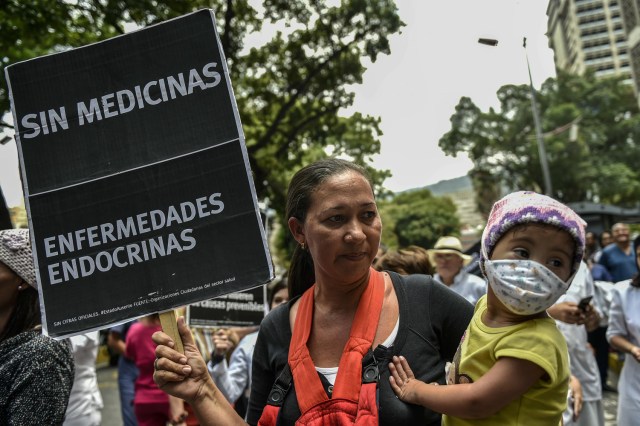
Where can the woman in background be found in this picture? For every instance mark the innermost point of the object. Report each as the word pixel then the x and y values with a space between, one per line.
pixel 151 405
pixel 624 335
pixel 234 378
pixel 36 372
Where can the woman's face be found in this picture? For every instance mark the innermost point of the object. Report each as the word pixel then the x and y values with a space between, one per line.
pixel 9 282
pixel 281 296
pixel 342 228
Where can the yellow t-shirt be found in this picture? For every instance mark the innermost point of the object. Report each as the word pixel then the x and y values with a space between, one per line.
pixel 538 341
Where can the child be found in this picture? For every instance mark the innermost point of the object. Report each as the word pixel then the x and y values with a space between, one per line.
pixel 511 367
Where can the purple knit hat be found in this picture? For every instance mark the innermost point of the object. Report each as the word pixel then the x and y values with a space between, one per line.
pixel 530 207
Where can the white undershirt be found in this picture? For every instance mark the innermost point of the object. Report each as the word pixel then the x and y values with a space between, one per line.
pixel 330 373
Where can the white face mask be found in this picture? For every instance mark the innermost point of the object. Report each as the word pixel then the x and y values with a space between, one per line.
pixel 525 287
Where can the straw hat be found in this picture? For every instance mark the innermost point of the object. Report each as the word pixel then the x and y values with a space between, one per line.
pixel 448 245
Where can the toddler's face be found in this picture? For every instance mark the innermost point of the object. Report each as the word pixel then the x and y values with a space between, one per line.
pixel 545 244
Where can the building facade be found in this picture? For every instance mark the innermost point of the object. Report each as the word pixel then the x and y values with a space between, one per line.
pixel 631 20
pixel 589 34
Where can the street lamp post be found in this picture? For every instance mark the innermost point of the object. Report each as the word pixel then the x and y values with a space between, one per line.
pixel 548 189
pixel 542 153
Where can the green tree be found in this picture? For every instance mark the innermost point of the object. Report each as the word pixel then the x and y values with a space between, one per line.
pixel 289 91
pixel 599 164
pixel 417 218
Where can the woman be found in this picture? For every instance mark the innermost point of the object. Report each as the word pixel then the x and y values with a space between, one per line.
pixel 151 406
pixel 624 335
pixel 234 378
pixel 36 372
pixel 344 328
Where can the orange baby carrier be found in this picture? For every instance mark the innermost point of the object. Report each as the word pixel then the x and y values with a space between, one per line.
pixel 353 399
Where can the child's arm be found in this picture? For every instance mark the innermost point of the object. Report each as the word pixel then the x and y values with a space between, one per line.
pixel 507 380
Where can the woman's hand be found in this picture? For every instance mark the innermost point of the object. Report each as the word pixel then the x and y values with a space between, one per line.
pixel 403 382
pixel 567 312
pixel 221 342
pixel 592 319
pixel 182 375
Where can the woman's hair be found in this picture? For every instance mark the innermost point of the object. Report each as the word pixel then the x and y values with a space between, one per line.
pixel 301 188
pixel 26 314
pixel 278 285
pixel 636 244
pixel 409 260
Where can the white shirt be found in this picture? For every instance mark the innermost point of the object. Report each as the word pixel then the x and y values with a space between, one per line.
pixel 624 320
pixel 85 401
pixel 234 378
pixel 467 285
pixel 582 361
pixel 330 373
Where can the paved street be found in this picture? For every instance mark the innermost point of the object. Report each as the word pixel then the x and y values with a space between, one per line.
pixel 108 381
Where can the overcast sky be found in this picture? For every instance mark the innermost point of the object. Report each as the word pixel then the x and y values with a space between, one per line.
pixel 433 63
pixel 437 60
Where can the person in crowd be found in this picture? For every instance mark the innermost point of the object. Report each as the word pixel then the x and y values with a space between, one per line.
pixel 599 272
pixel 574 323
pixel 619 258
pixel 590 245
pixel 36 372
pixel 85 401
pixel 406 261
pixel 127 371
pixel 624 335
pixel 605 240
pixel 512 366
pixel 449 259
pixel 328 347
pixel 234 378
pixel 598 336
pixel 151 405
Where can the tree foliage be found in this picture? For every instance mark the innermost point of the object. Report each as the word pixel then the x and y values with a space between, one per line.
pixel 599 164
pixel 417 218
pixel 289 91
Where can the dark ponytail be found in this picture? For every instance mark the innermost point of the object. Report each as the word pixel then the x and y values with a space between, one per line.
pixel 302 186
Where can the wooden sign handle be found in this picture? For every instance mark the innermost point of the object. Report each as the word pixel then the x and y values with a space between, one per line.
pixel 170 327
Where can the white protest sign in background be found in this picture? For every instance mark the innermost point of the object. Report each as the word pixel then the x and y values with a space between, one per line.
pixel 136 176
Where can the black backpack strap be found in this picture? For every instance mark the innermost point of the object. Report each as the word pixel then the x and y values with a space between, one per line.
pixel 280 387
pixel 370 370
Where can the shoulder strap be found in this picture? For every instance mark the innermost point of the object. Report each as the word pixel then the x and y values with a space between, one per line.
pixel 280 387
pixel 363 329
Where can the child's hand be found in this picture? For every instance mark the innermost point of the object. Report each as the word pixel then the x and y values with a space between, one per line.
pixel 403 382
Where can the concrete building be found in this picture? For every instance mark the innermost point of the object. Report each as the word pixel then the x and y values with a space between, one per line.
pixel 631 20
pixel 589 34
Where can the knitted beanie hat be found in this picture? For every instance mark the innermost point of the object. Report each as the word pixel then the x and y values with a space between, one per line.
pixel 529 207
pixel 15 252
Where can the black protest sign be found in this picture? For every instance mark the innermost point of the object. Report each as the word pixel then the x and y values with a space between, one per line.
pixel 136 176
pixel 240 309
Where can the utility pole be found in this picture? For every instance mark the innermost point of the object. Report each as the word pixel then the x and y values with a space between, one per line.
pixel 542 153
